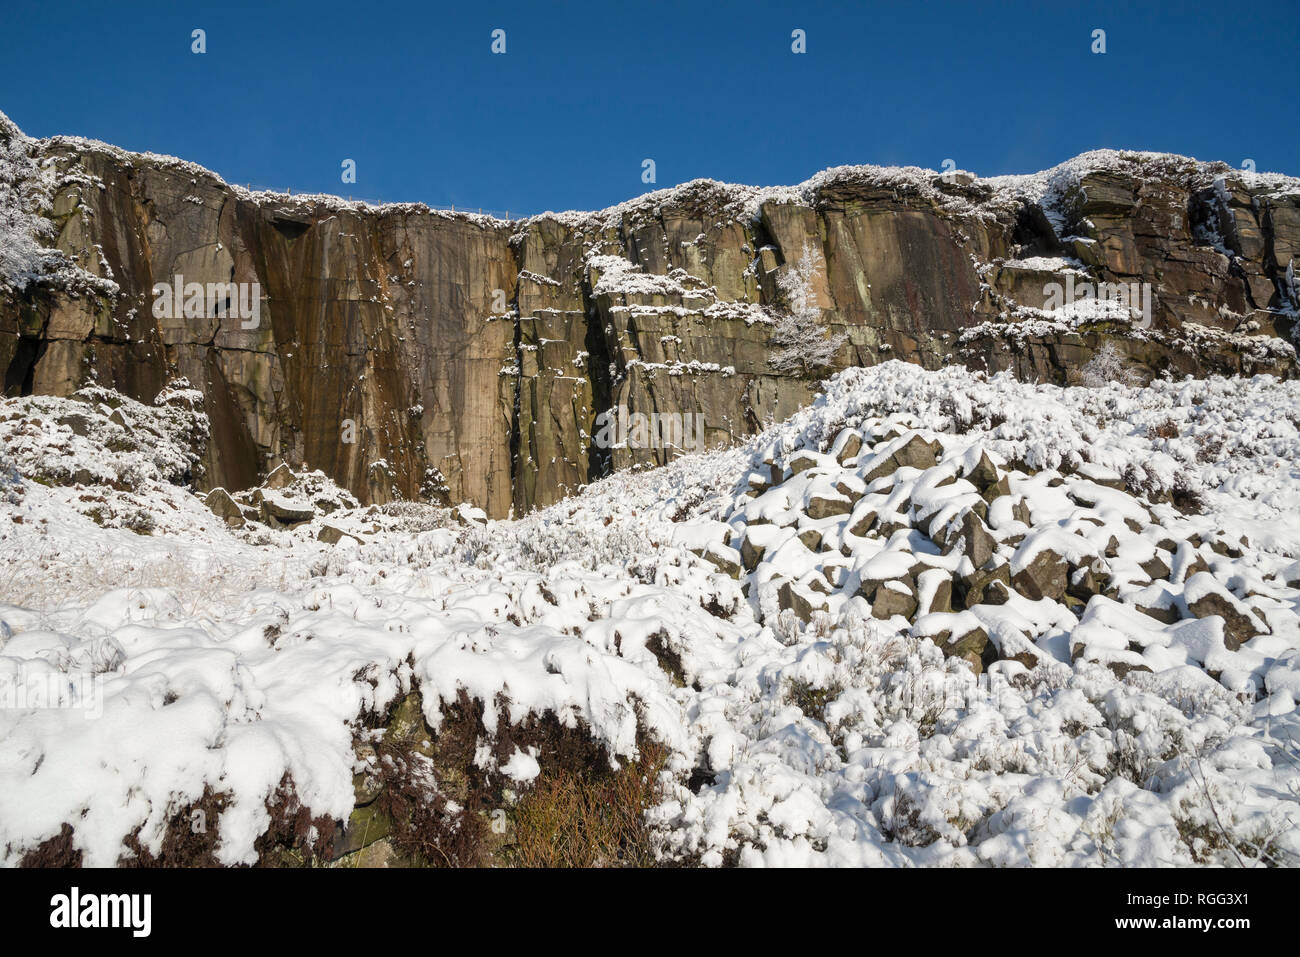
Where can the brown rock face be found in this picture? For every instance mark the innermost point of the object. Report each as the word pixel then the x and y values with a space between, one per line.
pixel 413 353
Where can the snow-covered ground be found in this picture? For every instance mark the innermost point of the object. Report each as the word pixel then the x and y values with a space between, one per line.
pixel 901 628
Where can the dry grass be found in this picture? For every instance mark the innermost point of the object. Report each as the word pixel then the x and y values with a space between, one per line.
pixel 589 817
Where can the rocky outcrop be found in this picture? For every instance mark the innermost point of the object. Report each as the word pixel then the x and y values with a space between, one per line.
pixel 413 353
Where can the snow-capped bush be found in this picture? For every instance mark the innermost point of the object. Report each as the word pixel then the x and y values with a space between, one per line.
pixel 1105 367
pixel 24 192
pixel 803 343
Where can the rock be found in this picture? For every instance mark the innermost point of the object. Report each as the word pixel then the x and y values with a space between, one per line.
pixel 886 527
pixel 1156 567
pixel 811 538
pixel 378 854
pixel 280 477
pixel 1020 512
pixel 465 514
pixel 285 513
pixel 999 488
pixel 795 598
pixel 1026 658
pixel 933 590
pixel 867 588
pixel 1206 598
pixel 407 728
pixel 78 422
pixel 862 521
pixel 953 178
pixel 1122 668
pixel 1043 577
pixel 822 506
pixel 916 453
pixel 725 559
pixel 849 448
pixel 365 826
pixel 1225 548
pixel 224 507
pixel 966 640
pixel 332 535
pixel 802 462
pixel 972 537
pixel 1167 615
pixel 985 586
pixel 984 474
pixel 850 489
pixel 750 553
pixel 1083 585
pixel 893 598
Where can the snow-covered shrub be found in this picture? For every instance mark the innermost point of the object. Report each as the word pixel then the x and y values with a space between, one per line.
pixel 1107 367
pixel 24 192
pixel 802 340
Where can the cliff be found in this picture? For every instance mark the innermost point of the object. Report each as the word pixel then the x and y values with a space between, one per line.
pixel 412 352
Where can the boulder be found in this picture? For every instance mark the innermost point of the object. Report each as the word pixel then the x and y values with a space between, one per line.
pixel 1205 598
pixel 281 476
pixel 849 448
pixel 286 513
pixel 722 557
pixel 984 474
pixel 802 462
pixel 893 598
pixel 1156 567
pixel 224 507
pixel 464 514
pixel 793 597
pixel 985 586
pixel 78 422
pixel 969 647
pixel 332 535
pixel 963 637
pixel 933 590
pixel 916 453
pixel 1043 576
pixel 969 534
pixel 811 538
pixel 862 520
pixel 824 506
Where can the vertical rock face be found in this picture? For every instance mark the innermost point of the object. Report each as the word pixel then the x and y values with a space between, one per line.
pixel 410 352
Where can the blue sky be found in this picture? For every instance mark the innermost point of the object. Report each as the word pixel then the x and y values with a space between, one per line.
pixel 585 91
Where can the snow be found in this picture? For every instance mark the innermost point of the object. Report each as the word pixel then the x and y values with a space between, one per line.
pixel 199 656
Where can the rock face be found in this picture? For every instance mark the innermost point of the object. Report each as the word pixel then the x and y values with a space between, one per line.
pixel 408 352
